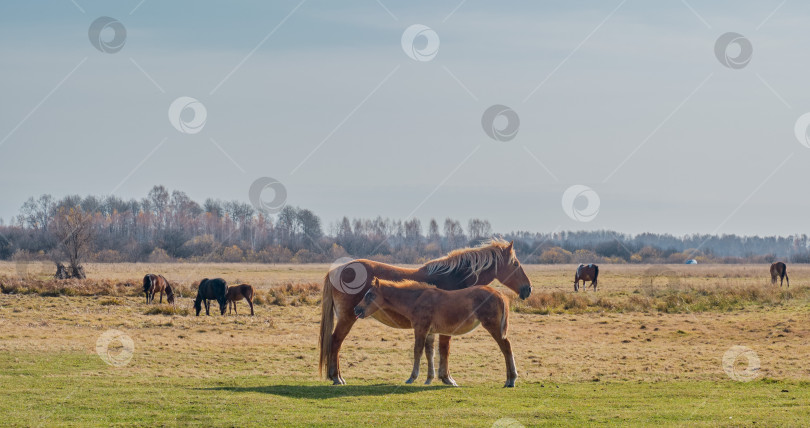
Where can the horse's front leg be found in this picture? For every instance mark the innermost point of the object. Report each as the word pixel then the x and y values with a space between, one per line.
pixel 420 336
pixel 161 297
pixel 431 371
pixel 207 307
pixel 444 357
pixel 250 302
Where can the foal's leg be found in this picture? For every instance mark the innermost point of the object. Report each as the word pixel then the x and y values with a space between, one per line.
pixel 429 356
pixel 494 329
pixel 234 308
pixel 444 356
pixel 420 337
pixel 345 321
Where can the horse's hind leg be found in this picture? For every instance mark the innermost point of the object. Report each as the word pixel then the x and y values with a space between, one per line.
pixel 431 370
pixel 418 347
pixel 494 329
pixel 444 357
pixel 344 324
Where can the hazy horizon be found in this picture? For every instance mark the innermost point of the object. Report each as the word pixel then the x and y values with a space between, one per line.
pixel 626 98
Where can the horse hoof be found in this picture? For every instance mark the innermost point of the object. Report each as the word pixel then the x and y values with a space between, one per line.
pixel 448 381
pixel 410 380
pixel 428 381
pixel 509 384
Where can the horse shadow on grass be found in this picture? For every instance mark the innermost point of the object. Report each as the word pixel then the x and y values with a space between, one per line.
pixel 322 392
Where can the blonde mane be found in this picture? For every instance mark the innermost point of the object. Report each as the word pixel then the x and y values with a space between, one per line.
pixel 477 259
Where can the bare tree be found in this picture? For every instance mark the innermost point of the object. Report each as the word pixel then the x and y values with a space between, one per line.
pixel 72 227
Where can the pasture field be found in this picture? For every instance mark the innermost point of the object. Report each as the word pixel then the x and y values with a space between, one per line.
pixel 647 348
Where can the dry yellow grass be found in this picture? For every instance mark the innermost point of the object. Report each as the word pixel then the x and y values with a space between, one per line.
pixel 640 346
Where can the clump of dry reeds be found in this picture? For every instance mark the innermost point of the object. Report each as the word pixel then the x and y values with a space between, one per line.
pixel 682 299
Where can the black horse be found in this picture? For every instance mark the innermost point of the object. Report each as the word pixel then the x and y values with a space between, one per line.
pixel 211 289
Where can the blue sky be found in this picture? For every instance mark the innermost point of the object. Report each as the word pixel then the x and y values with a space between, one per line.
pixel 626 98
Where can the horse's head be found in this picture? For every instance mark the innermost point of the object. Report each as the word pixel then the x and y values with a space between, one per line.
pixel 371 301
pixel 169 294
pixel 511 274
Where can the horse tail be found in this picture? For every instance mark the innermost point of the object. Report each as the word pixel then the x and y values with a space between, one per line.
pixel 147 283
pixel 595 272
pixel 327 323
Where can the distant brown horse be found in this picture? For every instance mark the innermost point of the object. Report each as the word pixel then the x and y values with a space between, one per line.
pixel 153 284
pixel 433 310
pixel 345 285
pixel 586 273
pixel 779 269
pixel 236 293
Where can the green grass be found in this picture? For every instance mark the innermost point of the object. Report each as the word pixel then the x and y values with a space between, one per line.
pixel 79 389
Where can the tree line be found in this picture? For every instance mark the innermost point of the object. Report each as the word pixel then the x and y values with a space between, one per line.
pixel 169 226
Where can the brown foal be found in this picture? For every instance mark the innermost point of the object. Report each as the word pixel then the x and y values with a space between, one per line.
pixel 236 293
pixel 449 313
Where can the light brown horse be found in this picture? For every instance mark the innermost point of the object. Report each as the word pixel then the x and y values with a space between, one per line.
pixel 345 285
pixel 435 311
pixel 586 273
pixel 779 269
pixel 153 284
pixel 236 293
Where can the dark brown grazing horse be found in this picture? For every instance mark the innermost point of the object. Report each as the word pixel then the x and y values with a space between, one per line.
pixel 779 269
pixel 586 273
pixel 435 311
pixel 211 289
pixel 153 284
pixel 345 285
pixel 236 293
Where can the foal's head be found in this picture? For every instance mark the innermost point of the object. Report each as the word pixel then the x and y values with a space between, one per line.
pixel 372 301
pixel 510 273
